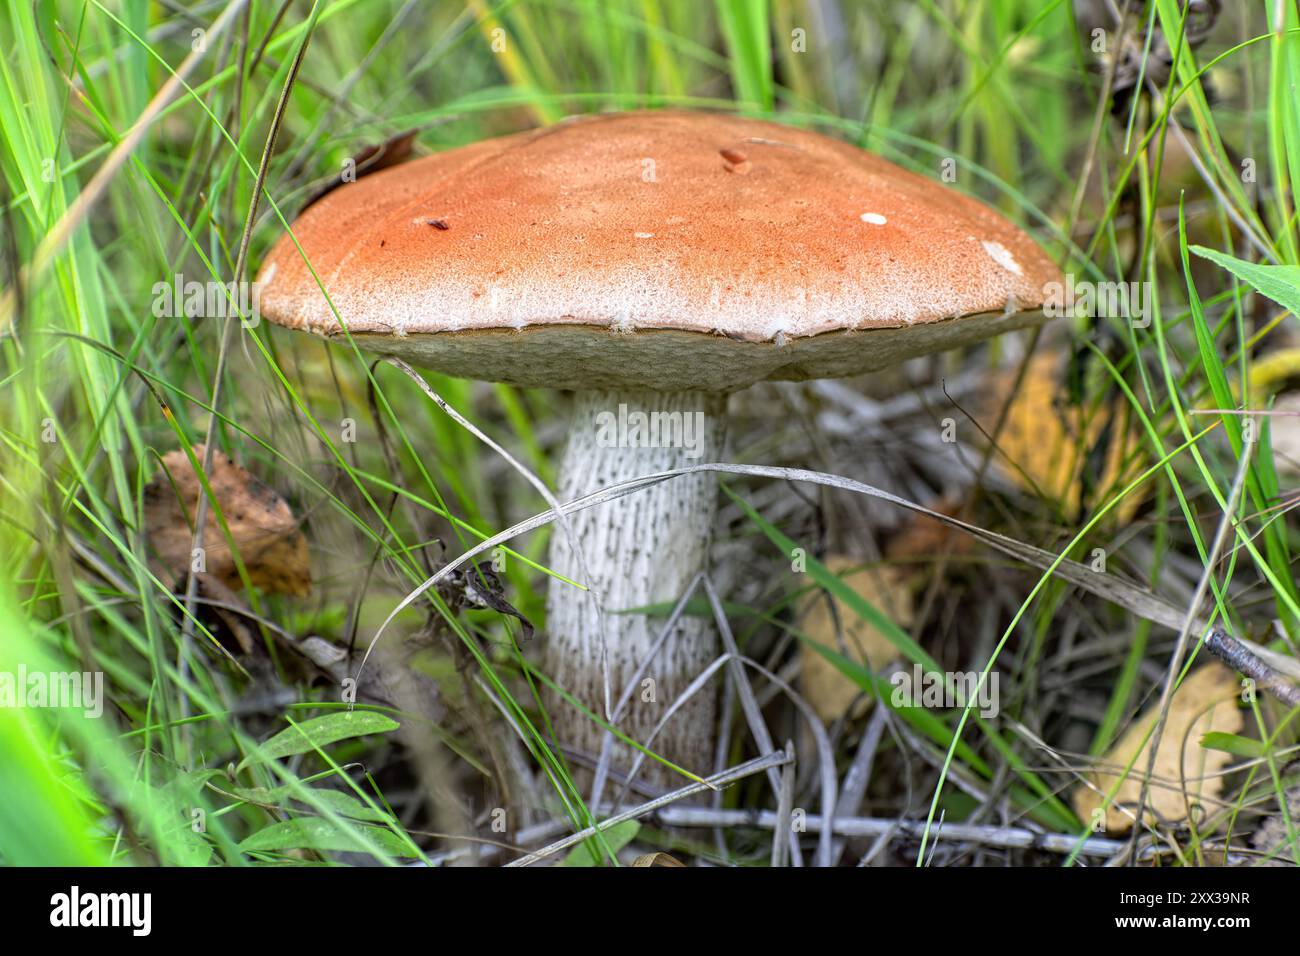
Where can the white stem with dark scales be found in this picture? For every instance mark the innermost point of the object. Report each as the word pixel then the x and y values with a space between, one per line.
pixel 641 549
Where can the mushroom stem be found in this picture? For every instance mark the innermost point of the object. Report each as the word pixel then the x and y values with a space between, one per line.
pixel 642 549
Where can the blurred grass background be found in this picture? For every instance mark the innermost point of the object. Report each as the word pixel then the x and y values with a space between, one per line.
pixel 1119 154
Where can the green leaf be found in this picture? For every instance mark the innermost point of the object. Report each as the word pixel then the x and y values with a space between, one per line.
pixel 1233 744
pixel 1279 283
pixel 177 799
pixel 617 837
pixel 316 833
pixel 342 803
pixel 320 731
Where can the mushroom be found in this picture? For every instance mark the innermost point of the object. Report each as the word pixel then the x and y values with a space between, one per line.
pixel 652 263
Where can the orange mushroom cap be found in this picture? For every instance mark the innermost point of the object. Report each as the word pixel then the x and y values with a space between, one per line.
pixel 661 249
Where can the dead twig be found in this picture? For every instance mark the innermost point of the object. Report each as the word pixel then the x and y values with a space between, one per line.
pixel 1245 661
pixel 1010 838
pixel 757 765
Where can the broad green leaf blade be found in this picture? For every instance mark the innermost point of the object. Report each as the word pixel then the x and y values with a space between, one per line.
pixel 1234 744
pixel 617 837
pixel 316 833
pixel 344 804
pixel 320 731
pixel 1279 283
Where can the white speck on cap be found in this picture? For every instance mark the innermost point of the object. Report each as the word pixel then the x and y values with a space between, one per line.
pixel 645 235
pixel 875 218
pixel 999 254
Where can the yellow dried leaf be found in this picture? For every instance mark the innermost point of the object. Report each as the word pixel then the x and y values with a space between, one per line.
pixel 1272 373
pixel 1284 430
pixel 829 692
pixel 1186 774
pixel 1045 443
pixel 656 859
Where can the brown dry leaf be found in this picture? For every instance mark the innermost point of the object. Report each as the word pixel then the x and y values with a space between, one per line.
pixel 1044 444
pixel 924 539
pixel 1206 702
pixel 262 526
pixel 656 859
pixel 829 692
